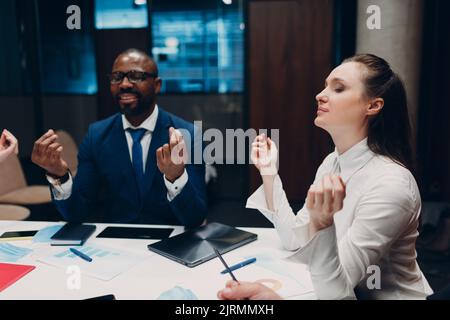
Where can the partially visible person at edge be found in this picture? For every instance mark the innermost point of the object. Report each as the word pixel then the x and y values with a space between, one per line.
pixel 8 145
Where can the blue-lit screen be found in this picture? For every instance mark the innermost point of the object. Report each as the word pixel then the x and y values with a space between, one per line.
pixel 199 50
pixel 120 14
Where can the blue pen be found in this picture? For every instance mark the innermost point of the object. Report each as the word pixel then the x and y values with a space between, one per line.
pixel 240 265
pixel 81 254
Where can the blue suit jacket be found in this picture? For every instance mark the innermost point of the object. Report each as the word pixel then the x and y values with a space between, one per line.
pixel 104 164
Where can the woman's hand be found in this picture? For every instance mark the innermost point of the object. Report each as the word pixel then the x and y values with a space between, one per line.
pixel 323 201
pixel 265 155
pixel 247 290
pixel 8 145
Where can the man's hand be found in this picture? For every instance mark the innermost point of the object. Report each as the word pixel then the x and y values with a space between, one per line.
pixel 47 154
pixel 323 201
pixel 8 145
pixel 171 158
pixel 264 155
pixel 247 290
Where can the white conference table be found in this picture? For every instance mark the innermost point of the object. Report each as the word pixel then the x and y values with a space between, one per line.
pixel 151 277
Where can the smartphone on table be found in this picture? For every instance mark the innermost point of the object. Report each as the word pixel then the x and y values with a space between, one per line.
pixel 18 235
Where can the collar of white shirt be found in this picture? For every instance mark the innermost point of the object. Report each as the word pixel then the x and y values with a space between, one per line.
pixel 353 159
pixel 149 123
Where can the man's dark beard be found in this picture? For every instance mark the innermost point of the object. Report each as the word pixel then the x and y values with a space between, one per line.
pixel 142 104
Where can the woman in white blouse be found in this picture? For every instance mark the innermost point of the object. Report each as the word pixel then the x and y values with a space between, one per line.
pixel 361 213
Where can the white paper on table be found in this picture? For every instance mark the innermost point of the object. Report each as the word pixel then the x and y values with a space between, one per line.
pixel 276 262
pixel 106 264
pixel 284 286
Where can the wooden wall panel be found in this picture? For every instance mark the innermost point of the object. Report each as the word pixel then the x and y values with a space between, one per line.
pixel 290 53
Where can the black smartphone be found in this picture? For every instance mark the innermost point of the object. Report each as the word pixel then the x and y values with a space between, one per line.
pixel 18 234
pixel 135 233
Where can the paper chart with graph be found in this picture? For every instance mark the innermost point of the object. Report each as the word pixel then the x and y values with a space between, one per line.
pixel 106 264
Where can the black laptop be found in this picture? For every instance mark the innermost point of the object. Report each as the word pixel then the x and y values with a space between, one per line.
pixel 196 246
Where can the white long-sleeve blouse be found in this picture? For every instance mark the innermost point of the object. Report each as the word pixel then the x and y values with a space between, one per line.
pixel 370 247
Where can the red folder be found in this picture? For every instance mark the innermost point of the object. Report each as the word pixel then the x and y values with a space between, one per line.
pixel 10 273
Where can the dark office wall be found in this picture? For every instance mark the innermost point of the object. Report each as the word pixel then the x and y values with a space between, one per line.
pixel 290 53
pixel 71 113
pixel 33 34
pixel 11 76
pixel 16 114
pixel 219 111
pixel 434 109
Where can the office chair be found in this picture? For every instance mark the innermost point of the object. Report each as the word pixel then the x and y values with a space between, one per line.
pixel 13 212
pixel 14 188
pixel 70 150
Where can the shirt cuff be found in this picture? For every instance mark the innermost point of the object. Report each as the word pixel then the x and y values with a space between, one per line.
pixel 318 250
pixel 293 230
pixel 258 200
pixel 174 189
pixel 60 191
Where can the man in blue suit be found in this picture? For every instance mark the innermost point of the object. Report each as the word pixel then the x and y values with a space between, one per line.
pixel 130 156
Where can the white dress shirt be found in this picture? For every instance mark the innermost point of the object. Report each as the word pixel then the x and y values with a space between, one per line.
pixel 63 191
pixel 377 226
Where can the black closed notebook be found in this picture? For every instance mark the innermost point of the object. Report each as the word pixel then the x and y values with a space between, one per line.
pixel 72 234
pixel 196 246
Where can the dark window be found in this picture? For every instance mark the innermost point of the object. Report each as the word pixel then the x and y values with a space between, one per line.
pixel 68 58
pixel 199 48
pixel 14 79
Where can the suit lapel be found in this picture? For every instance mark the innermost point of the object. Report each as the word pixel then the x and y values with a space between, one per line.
pixel 160 136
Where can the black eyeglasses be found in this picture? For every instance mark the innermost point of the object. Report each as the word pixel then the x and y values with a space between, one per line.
pixel 133 76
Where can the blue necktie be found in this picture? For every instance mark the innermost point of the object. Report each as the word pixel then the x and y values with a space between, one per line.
pixel 138 166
